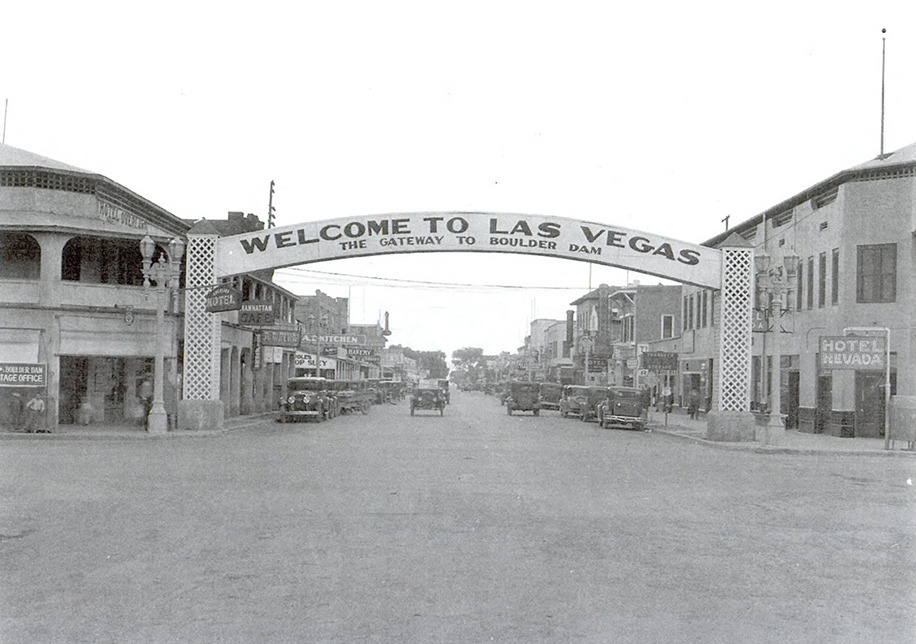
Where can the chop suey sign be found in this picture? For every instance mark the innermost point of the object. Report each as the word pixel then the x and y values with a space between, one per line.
pixel 469 232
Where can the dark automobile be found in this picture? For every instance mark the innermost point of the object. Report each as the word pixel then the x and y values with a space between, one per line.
pixel 307 398
pixel 624 407
pixel 352 395
pixel 550 394
pixel 427 395
pixel 523 396
pixel 443 386
pixel 574 398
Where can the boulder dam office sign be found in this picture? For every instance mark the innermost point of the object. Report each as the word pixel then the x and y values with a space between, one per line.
pixel 469 232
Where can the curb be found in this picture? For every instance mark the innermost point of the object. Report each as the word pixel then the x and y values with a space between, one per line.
pixel 780 449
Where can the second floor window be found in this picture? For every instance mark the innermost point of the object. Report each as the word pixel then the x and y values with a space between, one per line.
pixel 667 326
pixel 876 273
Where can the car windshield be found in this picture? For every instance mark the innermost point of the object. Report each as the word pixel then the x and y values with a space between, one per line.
pixel 306 385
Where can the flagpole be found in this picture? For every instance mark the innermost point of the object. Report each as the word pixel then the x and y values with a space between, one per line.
pixel 883 39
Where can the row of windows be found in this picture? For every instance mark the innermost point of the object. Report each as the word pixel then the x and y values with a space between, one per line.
pixel 698 310
pixel 876 277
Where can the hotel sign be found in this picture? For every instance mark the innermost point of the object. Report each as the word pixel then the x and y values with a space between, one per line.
pixel 223 298
pixel 857 353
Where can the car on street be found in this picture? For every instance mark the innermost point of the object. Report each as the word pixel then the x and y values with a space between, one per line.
pixel 624 407
pixel 307 398
pixel 427 396
pixel 550 394
pixel 523 396
pixel 352 395
pixel 574 398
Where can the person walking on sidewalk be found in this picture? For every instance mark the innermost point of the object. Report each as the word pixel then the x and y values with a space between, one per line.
pixel 693 403
pixel 35 414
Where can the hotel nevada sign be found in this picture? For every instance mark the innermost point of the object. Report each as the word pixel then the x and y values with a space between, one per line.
pixel 858 353
pixel 600 243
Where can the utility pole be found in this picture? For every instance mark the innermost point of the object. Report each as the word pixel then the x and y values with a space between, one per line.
pixel 270 206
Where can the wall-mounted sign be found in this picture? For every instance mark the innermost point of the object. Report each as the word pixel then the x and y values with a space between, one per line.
pixel 17 374
pixel 280 336
pixel 343 339
pixel 361 352
pixel 306 360
pixel 860 353
pixel 223 298
pixel 256 313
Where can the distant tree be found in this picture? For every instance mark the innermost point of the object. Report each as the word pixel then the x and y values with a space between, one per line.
pixel 471 361
pixel 431 362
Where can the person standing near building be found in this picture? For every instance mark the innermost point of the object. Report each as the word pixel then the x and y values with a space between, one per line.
pixel 35 414
pixel 693 403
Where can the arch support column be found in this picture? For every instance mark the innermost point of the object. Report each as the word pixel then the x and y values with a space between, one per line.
pixel 731 419
pixel 200 407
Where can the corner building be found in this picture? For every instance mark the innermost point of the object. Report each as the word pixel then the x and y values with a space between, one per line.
pixel 852 241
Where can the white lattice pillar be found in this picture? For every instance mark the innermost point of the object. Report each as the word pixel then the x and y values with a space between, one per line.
pixel 200 407
pixel 731 419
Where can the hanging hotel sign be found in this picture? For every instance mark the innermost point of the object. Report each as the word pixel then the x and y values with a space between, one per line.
pixel 860 353
pixel 599 243
pixel 17 374
pixel 223 298
pixel 256 313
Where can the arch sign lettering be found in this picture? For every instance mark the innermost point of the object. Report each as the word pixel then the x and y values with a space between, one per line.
pixel 420 232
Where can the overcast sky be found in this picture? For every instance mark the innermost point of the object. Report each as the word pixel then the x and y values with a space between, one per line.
pixel 663 117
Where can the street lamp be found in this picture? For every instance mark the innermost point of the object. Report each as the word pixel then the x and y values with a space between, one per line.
pixel 165 273
pixel 774 283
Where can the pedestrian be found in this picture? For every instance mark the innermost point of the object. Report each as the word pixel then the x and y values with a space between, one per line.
pixel 16 411
pixel 693 403
pixel 35 413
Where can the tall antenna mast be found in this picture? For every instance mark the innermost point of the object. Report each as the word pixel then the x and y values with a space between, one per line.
pixel 883 31
pixel 270 206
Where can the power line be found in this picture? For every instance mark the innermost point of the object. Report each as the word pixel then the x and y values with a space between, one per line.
pixel 397 282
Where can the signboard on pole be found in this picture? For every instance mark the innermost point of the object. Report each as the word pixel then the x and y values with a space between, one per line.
pixel 858 353
pixel 659 360
pixel 280 336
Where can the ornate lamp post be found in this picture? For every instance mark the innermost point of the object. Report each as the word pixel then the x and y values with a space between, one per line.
pixel 774 283
pixel 164 272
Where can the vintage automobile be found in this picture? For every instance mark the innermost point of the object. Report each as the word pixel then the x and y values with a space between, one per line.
pixel 523 396
pixel 444 385
pixel 550 394
pixel 574 398
pixel 307 398
pixel 624 407
pixel 427 395
pixel 595 396
pixel 352 395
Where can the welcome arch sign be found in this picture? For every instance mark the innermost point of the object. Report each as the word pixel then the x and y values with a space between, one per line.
pixel 211 257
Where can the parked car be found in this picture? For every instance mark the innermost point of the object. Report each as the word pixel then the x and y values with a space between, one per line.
pixel 443 385
pixel 523 396
pixel 624 407
pixel 307 398
pixel 550 394
pixel 427 395
pixel 352 395
pixel 574 398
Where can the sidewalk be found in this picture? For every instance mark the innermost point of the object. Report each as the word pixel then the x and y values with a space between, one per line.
pixel 136 431
pixel 682 426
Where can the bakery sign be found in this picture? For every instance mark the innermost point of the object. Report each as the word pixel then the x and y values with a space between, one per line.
pixel 859 353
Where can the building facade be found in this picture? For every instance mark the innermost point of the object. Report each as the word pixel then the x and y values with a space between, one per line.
pixel 837 259
pixel 77 311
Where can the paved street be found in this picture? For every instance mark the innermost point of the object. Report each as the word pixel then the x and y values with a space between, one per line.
pixel 471 527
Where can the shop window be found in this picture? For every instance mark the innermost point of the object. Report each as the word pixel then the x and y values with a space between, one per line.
pixel 876 273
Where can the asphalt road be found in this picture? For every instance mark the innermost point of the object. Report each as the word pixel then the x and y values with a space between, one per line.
pixel 471 527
